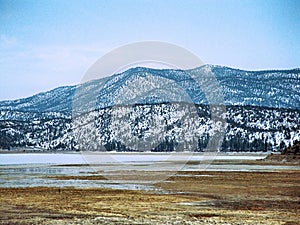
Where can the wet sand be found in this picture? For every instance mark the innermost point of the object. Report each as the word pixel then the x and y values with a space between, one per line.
pixel 191 197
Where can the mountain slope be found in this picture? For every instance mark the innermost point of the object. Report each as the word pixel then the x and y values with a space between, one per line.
pixel 262 112
pixel 277 89
pixel 160 127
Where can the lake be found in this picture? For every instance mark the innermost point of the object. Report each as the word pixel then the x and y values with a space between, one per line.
pixel 117 170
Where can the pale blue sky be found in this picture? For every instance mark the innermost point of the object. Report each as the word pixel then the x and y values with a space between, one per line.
pixel 45 44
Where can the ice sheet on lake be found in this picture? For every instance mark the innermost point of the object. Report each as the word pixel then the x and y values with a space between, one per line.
pixel 61 158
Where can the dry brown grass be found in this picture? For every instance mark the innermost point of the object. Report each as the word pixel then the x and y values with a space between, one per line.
pixel 221 198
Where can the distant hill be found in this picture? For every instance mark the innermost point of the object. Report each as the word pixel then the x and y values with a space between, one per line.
pixel 292 150
pixel 288 154
pixel 262 111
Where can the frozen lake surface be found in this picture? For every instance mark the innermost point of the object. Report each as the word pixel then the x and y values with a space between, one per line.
pixel 77 158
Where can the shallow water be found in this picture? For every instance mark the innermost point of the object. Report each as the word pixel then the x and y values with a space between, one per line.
pixel 44 176
pixel 125 171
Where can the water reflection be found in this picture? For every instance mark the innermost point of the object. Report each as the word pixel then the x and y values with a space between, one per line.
pixel 45 176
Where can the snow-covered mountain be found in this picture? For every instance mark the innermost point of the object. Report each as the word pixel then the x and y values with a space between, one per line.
pixel 275 89
pixel 262 111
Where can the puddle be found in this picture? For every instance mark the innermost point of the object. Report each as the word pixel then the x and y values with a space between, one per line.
pixel 191 203
pixel 199 203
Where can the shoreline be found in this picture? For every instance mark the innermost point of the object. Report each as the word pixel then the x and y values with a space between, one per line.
pixel 5 151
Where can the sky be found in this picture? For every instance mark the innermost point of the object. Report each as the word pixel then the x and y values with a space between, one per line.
pixel 46 44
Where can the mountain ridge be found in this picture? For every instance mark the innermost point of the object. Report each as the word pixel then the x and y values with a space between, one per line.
pixel 260 112
pixel 230 80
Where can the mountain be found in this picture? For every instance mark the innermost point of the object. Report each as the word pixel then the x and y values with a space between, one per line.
pixel 272 88
pixel 262 111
